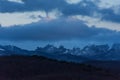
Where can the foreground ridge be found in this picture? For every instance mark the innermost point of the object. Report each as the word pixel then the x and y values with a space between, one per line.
pixel 41 68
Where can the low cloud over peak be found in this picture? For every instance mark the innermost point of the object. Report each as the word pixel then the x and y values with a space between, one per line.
pixel 57 30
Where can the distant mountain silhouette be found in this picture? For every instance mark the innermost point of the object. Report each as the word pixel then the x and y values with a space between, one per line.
pixel 90 52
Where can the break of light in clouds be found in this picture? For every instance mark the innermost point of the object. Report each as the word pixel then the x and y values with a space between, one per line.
pixel 113 4
pixel 97 22
pixel 17 1
pixel 73 1
pixel 108 3
pixel 12 19
pixel 23 18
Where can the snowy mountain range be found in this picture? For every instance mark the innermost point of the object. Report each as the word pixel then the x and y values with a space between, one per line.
pixel 90 52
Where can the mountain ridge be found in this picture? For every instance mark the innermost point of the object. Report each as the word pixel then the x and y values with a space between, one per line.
pixel 88 53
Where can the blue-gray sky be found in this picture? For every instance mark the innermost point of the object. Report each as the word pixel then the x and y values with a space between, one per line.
pixel 30 23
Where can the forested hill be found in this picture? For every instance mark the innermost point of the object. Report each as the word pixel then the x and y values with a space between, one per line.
pixel 41 68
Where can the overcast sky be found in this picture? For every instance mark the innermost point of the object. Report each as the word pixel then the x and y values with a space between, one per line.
pixel 30 23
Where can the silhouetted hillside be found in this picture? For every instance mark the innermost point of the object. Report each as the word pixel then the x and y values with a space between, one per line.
pixel 113 66
pixel 40 68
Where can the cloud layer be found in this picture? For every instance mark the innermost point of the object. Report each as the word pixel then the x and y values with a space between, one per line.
pixel 59 20
pixel 106 11
pixel 58 30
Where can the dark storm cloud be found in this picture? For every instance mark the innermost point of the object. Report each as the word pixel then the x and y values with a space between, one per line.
pixel 48 5
pixel 51 30
pixel 31 5
pixel 60 29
